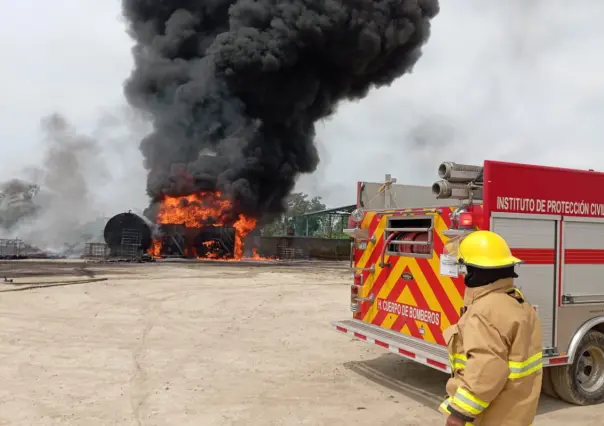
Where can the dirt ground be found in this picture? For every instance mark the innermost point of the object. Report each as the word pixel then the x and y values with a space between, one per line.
pixel 201 344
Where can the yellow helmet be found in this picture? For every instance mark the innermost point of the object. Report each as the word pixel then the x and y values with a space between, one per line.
pixel 485 249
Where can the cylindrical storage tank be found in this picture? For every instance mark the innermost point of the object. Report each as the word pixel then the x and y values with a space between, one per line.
pixel 454 172
pixel 126 229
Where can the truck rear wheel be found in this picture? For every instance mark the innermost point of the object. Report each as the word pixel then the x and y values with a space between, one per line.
pixel 547 387
pixel 582 382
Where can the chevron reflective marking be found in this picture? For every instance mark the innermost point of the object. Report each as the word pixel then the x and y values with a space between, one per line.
pixel 422 358
pixel 438 364
pixel 426 294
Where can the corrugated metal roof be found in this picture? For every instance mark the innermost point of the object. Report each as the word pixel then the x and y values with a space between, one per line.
pixel 344 209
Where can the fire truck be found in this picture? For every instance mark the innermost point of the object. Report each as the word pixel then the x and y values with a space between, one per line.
pixel 407 291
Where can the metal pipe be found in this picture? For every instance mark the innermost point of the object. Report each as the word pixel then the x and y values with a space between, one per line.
pixel 386 244
pixel 371 269
pixel 411 243
pixel 408 229
pixel 458 173
pixel 459 191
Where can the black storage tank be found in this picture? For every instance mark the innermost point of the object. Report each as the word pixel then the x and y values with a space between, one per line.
pixel 127 229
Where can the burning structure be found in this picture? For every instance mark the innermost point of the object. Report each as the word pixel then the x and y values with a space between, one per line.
pixel 234 89
pixel 194 226
pixel 200 226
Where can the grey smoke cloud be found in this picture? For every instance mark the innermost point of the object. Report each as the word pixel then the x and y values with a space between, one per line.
pixel 514 80
pixel 511 82
pixel 80 180
pixel 248 80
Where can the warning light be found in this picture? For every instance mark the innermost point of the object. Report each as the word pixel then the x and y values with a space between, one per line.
pixel 357 215
pixel 466 220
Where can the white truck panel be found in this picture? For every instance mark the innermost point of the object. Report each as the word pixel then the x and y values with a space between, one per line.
pixel 537 282
pixel 526 233
pixel 401 196
pixel 583 235
pixel 583 279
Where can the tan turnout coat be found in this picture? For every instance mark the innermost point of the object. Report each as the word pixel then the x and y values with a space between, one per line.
pixel 495 352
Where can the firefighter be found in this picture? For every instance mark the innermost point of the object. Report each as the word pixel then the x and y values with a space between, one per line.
pixel 495 348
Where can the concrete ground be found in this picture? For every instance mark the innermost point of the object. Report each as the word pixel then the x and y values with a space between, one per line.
pixel 201 344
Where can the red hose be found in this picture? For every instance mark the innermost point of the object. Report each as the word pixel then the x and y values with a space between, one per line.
pixel 390 237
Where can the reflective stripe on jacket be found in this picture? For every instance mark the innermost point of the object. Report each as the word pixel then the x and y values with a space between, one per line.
pixel 495 353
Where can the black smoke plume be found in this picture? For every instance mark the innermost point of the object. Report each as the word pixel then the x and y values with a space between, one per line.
pixel 235 88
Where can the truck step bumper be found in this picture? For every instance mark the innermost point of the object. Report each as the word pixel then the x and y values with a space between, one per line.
pixel 426 353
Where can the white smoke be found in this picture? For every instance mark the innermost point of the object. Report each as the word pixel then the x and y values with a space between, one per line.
pixel 81 181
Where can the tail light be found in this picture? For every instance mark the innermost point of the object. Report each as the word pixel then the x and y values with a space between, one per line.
pixel 354 294
pixel 466 220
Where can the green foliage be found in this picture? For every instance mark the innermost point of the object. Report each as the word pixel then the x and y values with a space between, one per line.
pixel 339 235
pixel 298 204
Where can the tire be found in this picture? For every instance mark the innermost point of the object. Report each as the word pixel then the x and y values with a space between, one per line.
pixel 547 387
pixel 582 382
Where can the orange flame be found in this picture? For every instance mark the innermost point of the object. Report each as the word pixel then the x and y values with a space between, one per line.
pixel 194 210
pixel 155 249
pixel 199 210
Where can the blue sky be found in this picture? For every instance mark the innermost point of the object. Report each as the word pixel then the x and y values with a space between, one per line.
pixel 511 80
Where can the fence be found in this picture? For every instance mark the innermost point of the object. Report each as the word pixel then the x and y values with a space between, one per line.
pixel 101 251
pixel 96 251
pixel 131 237
pixel 11 248
pixel 290 253
pixel 302 247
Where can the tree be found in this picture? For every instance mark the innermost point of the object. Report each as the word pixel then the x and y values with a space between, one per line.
pixel 298 204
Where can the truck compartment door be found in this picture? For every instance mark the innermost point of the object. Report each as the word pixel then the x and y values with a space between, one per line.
pixel 583 260
pixel 534 240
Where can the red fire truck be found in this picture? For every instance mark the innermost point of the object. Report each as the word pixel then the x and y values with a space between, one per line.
pixel 406 292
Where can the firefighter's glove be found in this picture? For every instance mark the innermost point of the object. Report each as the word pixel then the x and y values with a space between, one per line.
pixel 455 421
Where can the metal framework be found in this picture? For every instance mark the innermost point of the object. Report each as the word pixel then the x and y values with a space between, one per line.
pixel 102 251
pixel 10 248
pixel 341 213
